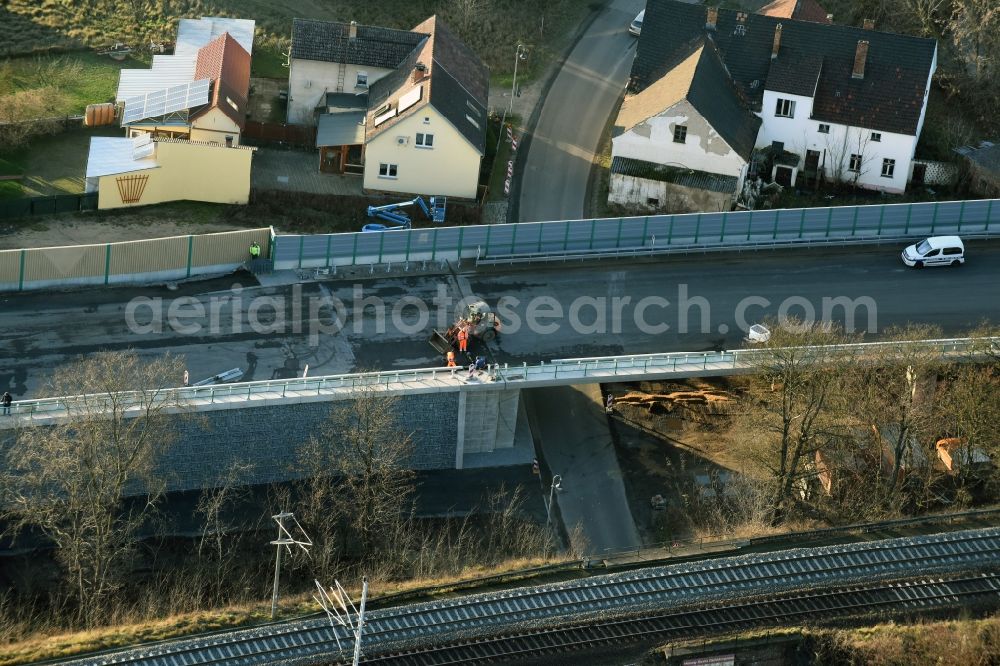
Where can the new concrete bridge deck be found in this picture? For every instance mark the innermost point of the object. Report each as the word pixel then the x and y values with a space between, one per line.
pixel 41 331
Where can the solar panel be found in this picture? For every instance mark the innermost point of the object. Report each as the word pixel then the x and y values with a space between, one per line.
pixel 410 98
pixel 384 117
pixel 169 100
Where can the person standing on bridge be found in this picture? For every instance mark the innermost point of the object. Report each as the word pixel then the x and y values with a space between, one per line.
pixel 6 400
pixel 463 339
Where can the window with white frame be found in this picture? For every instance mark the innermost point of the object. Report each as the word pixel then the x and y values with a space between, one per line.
pixel 888 168
pixel 855 165
pixel 785 108
pixel 387 170
pixel 362 81
pixel 876 136
pixel 680 133
pixel 824 128
pixel 425 140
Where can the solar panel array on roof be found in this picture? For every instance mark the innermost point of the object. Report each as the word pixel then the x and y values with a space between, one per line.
pixel 410 98
pixel 193 34
pixel 171 70
pixel 169 100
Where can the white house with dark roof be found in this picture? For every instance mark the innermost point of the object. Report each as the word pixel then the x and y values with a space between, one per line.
pixel 332 57
pixel 405 109
pixel 835 102
pixel 686 138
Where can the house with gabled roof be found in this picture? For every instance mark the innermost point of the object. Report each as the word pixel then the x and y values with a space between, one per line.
pixel 838 103
pixel 689 135
pixel 182 119
pixel 407 110
pixel 200 92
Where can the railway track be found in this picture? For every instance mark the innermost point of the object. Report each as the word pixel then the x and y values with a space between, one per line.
pixel 647 592
pixel 920 595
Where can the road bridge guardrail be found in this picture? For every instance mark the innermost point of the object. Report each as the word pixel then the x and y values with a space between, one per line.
pixel 630 235
pixel 556 372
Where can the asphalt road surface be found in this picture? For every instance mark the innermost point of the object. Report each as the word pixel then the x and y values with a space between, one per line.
pixel 39 331
pixel 573 117
pixel 572 429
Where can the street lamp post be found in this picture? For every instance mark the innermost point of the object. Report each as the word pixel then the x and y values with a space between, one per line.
pixel 556 485
pixel 520 54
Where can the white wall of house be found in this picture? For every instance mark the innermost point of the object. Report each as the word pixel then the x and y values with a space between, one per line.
pixel 310 80
pixel 450 167
pixel 215 126
pixel 802 132
pixel 703 149
pixel 654 195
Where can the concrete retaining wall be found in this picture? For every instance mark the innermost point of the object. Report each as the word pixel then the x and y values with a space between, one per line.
pixel 268 437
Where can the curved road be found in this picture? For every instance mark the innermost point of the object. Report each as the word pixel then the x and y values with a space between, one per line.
pixel 40 331
pixel 574 114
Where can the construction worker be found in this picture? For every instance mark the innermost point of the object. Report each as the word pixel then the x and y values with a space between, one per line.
pixel 451 359
pixel 254 250
pixel 463 339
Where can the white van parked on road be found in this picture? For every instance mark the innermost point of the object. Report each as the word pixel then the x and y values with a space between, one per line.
pixel 935 251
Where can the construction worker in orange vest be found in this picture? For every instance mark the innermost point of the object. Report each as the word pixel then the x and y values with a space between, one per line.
pixel 451 359
pixel 463 339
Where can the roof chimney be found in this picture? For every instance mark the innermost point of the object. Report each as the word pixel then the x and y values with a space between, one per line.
pixel 869 24
pixel 712 18
pixel 352 32
pixel 419 72
pixel 860 56
pixel 777 42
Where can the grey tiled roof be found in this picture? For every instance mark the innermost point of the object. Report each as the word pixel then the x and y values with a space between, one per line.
pixel 702 180
pixel 330 42
pixel 795 77
pixel 456 84
pixel 888 98
pixel 717 100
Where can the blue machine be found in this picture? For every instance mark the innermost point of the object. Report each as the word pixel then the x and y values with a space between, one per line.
pixel 375 226
pixel 398 219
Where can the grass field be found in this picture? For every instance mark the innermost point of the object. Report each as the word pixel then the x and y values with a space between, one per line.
pixel 493 29
pixel 78 79
pixel 53 164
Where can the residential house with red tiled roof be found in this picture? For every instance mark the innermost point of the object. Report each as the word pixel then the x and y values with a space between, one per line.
pixel 406 109
pixel 210 104
pixel 182 119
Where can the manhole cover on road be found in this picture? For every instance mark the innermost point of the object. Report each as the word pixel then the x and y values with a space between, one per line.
pixel 283 179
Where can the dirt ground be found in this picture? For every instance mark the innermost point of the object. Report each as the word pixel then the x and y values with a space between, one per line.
pixel 264 103
pixel 670 446
pixel 178 219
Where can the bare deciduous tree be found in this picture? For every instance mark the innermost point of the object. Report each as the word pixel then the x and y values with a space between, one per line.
pixel 369 457
pixel 788 405
pixel 28 113
pixel 89 481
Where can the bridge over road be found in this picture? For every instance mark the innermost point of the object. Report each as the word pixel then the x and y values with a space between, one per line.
pixel 706 295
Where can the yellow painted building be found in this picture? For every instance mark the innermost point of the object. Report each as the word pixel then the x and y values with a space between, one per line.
pixel 417 128
pixel 396 162
pixel 140 171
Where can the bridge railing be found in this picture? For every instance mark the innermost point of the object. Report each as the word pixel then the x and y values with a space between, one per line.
pixel 577 370
pixel 652 233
